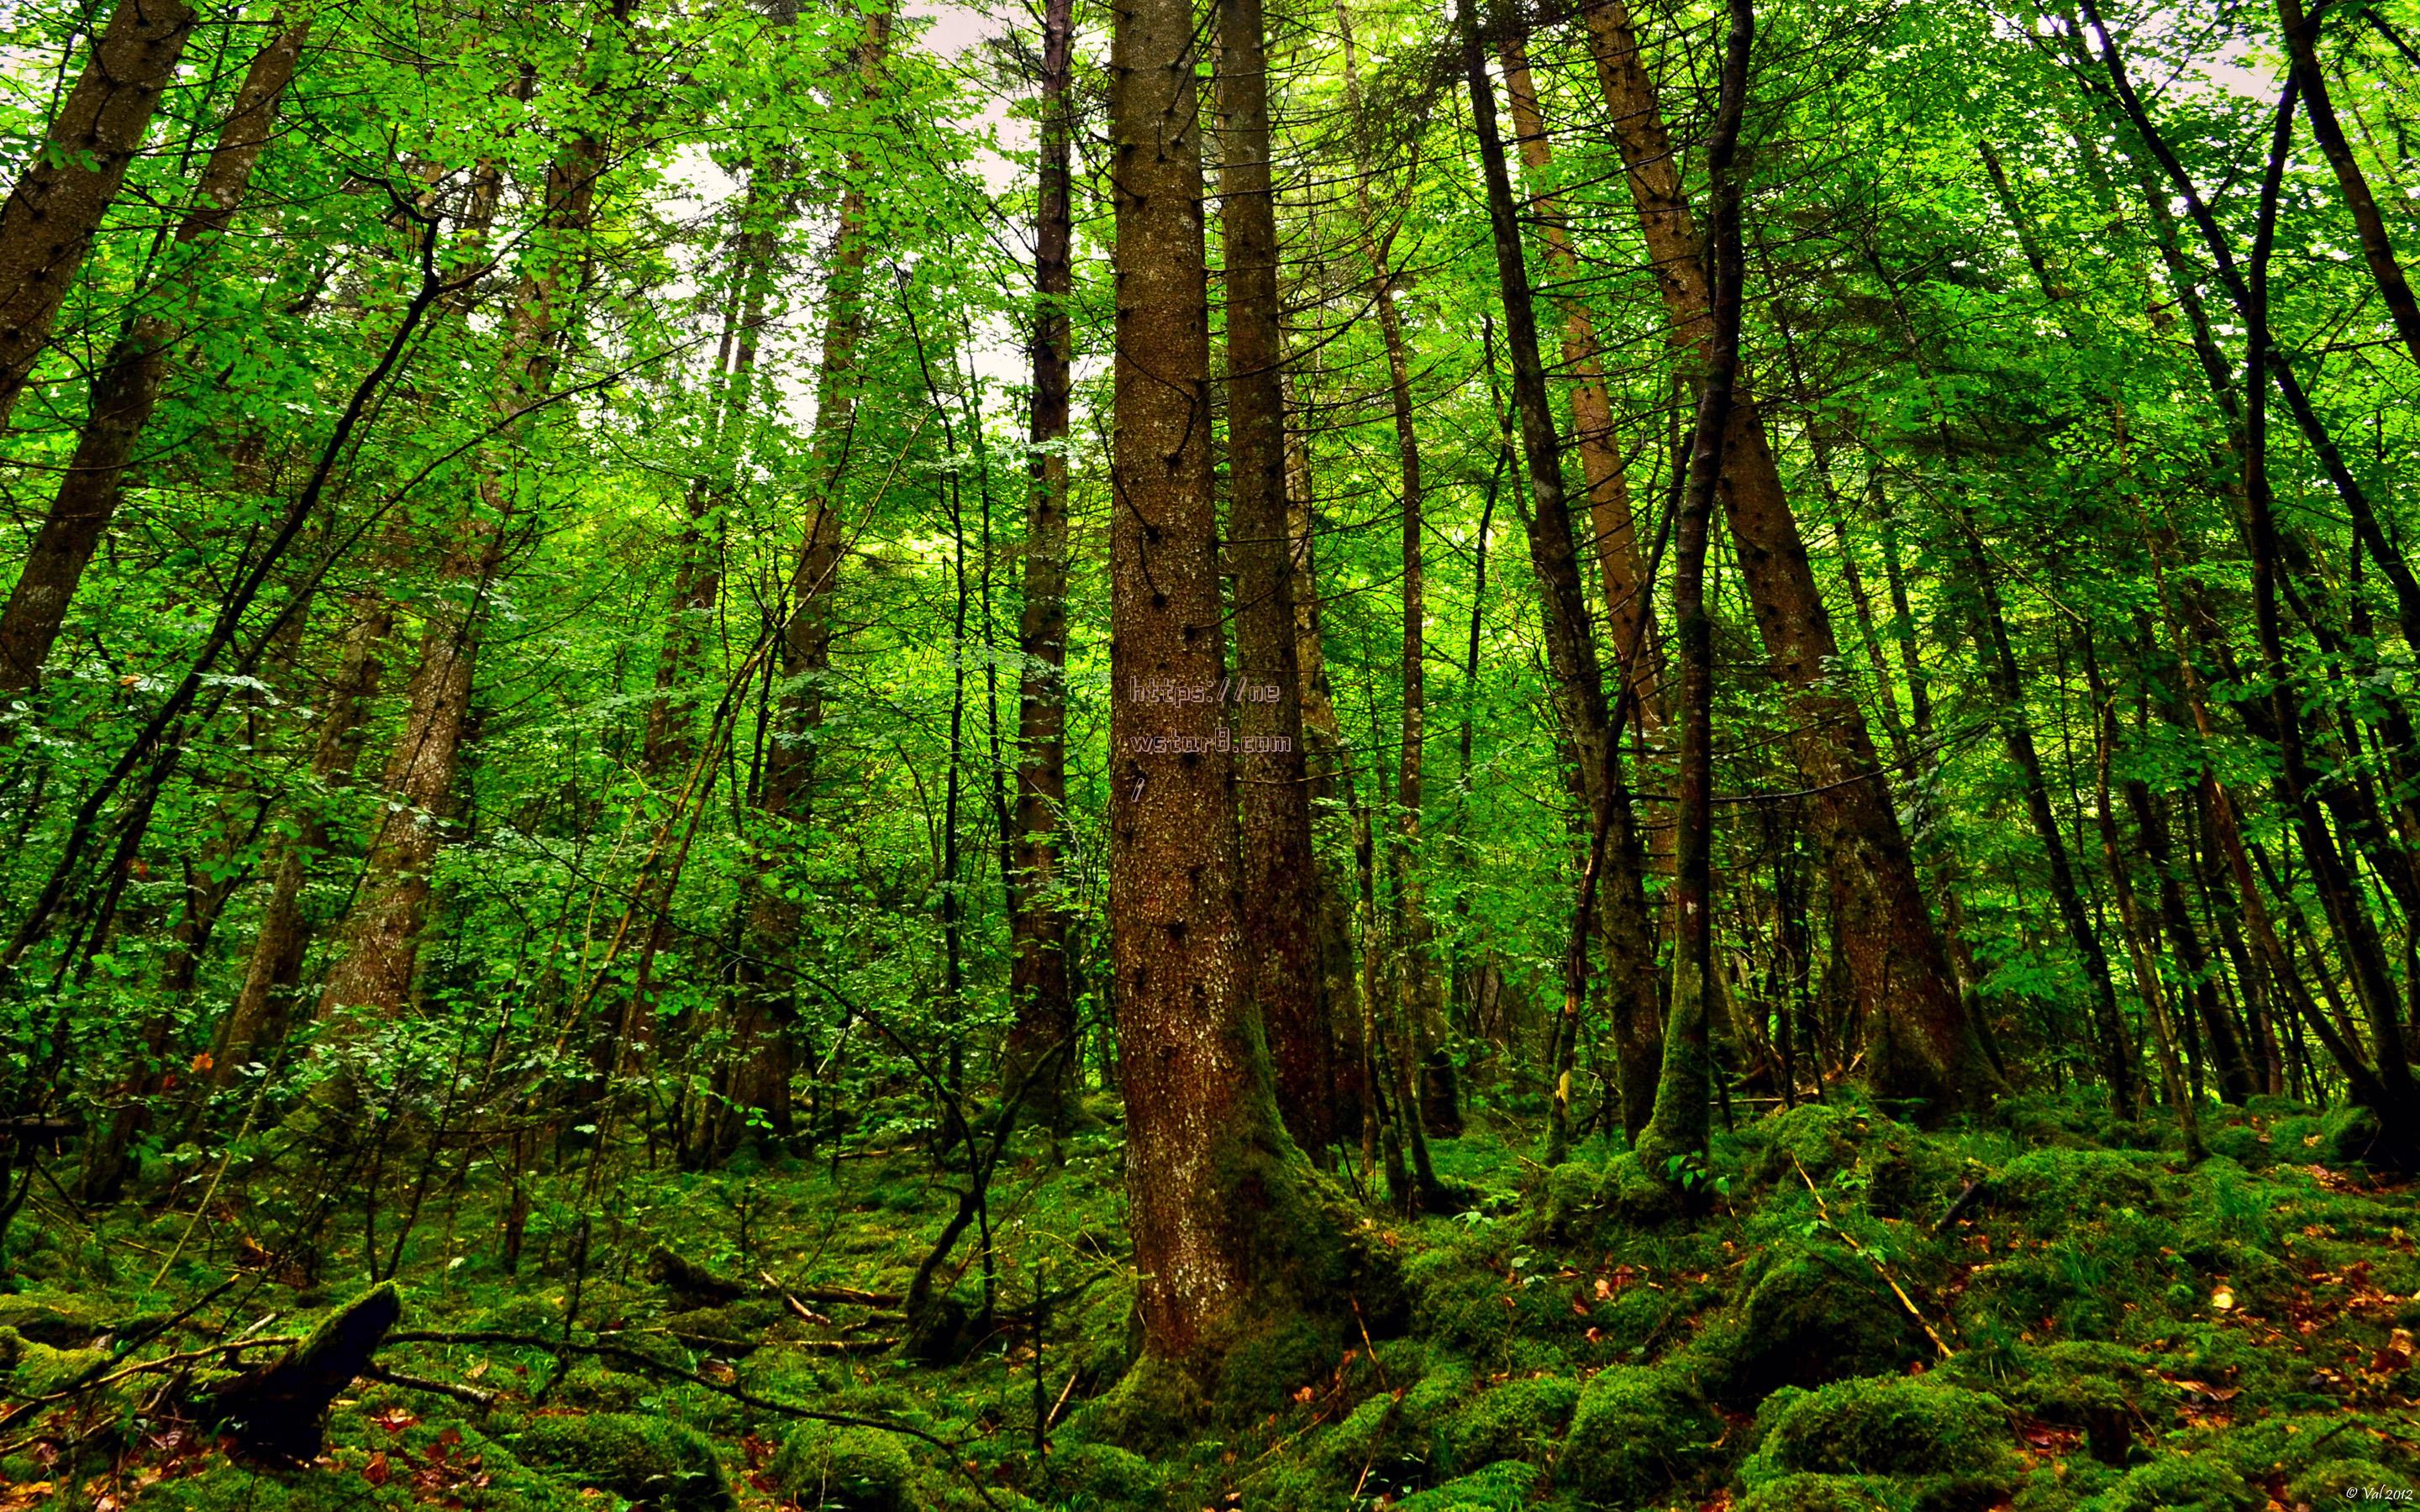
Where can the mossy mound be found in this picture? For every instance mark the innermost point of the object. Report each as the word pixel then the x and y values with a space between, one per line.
pixel 1885 1426
pixel 61 1322
pixel 845 1469
pixel 1807 1492
pixel 1814 1313
pixel 1110 1476
pixel 2180 1483
pixel 2338 1482
pixel 1506 1486
pixel 1817 1142
pixel 646 1459
pixel 2074 1183
pixel 38 1370
pixel 1520 1420
pixel 1635 1431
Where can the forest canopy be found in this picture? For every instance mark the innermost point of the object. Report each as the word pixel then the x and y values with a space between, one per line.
pixel 810 753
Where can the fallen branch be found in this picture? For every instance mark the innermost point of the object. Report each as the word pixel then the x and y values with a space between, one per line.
pixel 1880 1269
pixel 471 1395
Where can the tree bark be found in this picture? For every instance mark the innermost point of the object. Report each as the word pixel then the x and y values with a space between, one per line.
pixel 1275 797
pixel 1581 702
pixel 47 224
pixel 1922 1045
pixel 378 949
pixel 127 388
pixel 1041 1054
pixel 752 1086
pixel 1630 612
pixel 1227 1234
pixel 2017 737
pixel 1679 1131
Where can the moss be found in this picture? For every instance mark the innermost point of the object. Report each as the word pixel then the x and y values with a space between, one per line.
pixel 589 1384
pixel 1635 1431
pixel 1815 1313
pixel 2079 1183
pixel 40 1369
pixel 845 1469
pixel 1826 1493
pixel 1897 1167
pixel 1518 1420
pixel 2347 1134
pixel 1885 1426
pixel 1110 1475
pixel 1506 1486
pixel 2179 1483
pixel 2334 1482
pixel 644 1458
pixel 61 1322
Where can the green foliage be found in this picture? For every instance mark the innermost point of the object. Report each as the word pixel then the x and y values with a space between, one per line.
pixel 646 1459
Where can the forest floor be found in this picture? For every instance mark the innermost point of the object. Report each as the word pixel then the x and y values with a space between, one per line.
pixel 2094 1326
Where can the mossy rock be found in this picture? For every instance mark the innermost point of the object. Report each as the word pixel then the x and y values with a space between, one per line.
pixel 1807 1492
pixel 1635 1431
pixel 2180 1483
pixel 1823 1139
pixel 646 1459
pixel 1884 1425
pixel 845 1469
pixel 1815 1313
pixel 1110 1475
pixel 1518 1420
pixel 1506 1486
pixel 2348 1135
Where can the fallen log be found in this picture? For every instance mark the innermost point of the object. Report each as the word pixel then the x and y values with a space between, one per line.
pixel 279 1411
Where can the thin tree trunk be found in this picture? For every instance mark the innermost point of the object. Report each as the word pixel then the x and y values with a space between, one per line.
pixel 2301 47
pixel 1581 702
pixel 2017 736
pixel 127 388
pixel 1678 1132
pixel 377 951
pixel 1279 916
pixel 752 1085
pixel 47 224
pixel 1630 611
pixel 1921 1045
pixel 1041 1052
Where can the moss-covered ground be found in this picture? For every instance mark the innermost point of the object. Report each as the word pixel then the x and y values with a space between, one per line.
pixel 2098 1326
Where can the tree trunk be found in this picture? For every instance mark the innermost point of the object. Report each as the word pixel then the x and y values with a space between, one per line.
pixel 127 388
pixel 1041 1056
pixel 1630 611
pixel 47 224
pixel 2017 737
pixel 2301 47
pixel 1229 1236
pixel 752 1085
pixel 378 949
pixel 1678 1132
pixel 1571 651
pixel 256 1025
pixel 1278 889
pixel 2193 961
pixel 1921 1043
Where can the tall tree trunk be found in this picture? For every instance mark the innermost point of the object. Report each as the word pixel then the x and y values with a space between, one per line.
pixel 1277 881
pixel 1921 1042
pixel 377 951
pixel 127 388
pixel 752 1085
pixel 1630 611
pixel 1617 860
pixel 1678 1131
pixel 2348 911
pixel 2141 941
pixel 47 222
pixel 1041 1062
pixel 2193 961
pixel 1228 1237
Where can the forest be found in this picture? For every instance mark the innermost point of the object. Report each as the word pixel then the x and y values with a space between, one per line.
pixel 830 756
